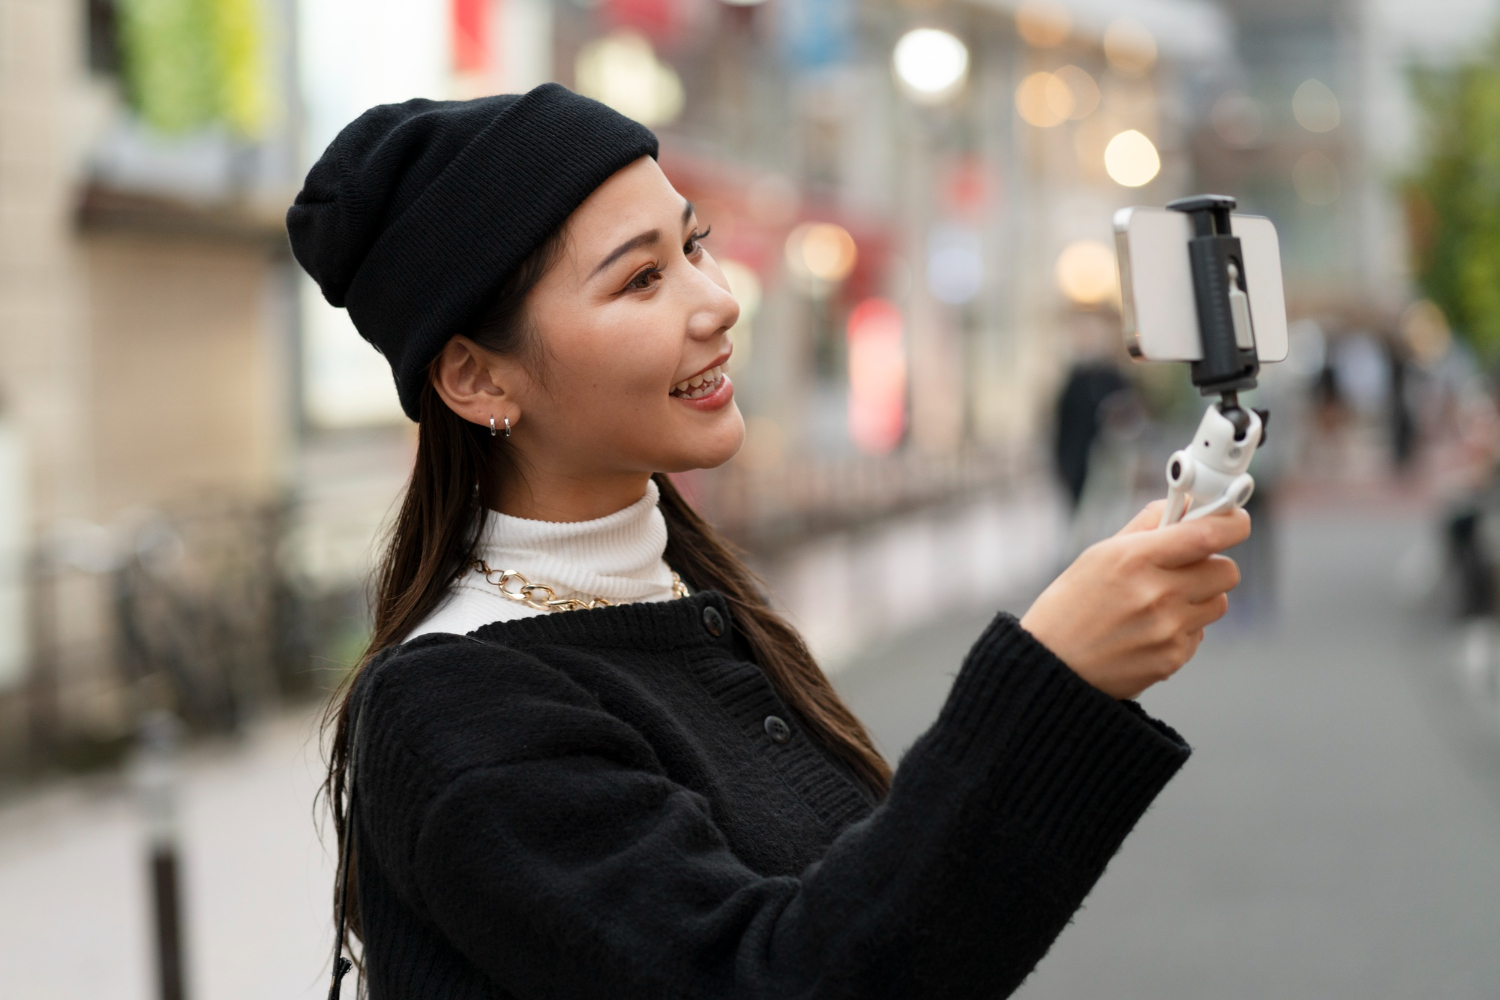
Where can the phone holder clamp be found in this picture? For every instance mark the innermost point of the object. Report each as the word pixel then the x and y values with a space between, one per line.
pixel 1211 474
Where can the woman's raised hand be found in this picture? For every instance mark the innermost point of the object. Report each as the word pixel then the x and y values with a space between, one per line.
pixel 1131 609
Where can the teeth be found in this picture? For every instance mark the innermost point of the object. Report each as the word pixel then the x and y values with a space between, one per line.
pixel 699 385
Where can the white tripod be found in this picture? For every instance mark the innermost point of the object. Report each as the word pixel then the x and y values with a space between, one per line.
pixel 1211 472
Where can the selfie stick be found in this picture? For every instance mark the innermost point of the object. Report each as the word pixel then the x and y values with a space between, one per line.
pixel 1210 475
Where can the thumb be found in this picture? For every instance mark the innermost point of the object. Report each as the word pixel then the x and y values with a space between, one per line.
pixel 1188 542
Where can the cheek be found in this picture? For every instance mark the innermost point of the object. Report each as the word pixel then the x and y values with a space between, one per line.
pixel 614 371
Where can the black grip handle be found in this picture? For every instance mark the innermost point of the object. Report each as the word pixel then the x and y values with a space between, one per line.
pixel 1225 367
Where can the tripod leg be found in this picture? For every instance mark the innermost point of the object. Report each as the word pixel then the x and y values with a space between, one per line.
pixel 1176 505
pixel 1235 495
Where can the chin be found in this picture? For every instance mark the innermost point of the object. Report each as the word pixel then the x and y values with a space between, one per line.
pixel 710 449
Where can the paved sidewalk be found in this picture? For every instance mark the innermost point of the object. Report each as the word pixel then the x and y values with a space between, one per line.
pixel 1337 831
pixel 75 921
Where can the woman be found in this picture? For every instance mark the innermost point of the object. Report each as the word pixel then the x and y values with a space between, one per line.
pixel 591 760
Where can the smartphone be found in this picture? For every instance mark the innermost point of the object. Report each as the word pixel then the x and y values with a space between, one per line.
pixel 1156 284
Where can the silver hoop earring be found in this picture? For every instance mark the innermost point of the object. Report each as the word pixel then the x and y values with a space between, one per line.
pixel 492 428
pixel 507 426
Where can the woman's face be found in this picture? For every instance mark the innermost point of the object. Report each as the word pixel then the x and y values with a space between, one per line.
pixel 632 325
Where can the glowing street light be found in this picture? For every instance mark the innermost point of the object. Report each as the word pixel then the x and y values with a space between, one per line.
pixel 1044 99
pixel 822 250
pixel 1043 23
pixel 1129 46
pixel 622 70
pixel 1131 159
pixel 930 63
pixel 1086 273
pixel 1081 88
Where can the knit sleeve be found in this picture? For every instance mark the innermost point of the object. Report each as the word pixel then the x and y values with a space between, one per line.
pixel 571 861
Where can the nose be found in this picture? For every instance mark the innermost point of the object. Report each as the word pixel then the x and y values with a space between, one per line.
pixel 713 308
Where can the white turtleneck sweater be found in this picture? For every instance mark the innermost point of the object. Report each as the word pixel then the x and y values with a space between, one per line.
pixel 618 557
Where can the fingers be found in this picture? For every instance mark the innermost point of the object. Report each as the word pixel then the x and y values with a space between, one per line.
pixel 1199 616
pixel 1193 541
pixel 1211 577
pixel 1146 520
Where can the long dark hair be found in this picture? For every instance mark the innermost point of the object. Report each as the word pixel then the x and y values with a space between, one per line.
pixel 435 534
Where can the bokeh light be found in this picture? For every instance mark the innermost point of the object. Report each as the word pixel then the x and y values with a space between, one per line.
pixel 1085 273
pixel 622 70
pixel 1043 23
pixel 1131 159
pixel 955 265
pixel 1236 118
pixel 1129 46
pixel 930 63
pixel 1315 178
pixel 746 288
pixel 1082 89
pixel 1044 100
pixel 821 250
pixel 1315 107
pixel 877 376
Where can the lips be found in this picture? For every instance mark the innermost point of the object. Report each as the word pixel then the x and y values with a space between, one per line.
pixel 702 384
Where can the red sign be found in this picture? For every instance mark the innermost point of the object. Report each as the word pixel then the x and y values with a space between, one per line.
pixel 471 36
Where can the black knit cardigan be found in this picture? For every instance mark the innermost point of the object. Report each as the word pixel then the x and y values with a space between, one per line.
pixel 615 803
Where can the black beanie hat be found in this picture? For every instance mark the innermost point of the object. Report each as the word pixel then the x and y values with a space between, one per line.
pixel 417 212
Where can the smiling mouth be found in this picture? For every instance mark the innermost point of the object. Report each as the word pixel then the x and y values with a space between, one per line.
pixel 700 385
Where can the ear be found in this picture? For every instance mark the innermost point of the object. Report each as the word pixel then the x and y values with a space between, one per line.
pixel 477 384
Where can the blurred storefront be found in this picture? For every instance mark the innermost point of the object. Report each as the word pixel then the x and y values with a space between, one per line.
pixel 145 151
pixel 911 198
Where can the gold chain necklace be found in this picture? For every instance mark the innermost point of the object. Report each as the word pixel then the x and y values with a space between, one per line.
pixel 515 587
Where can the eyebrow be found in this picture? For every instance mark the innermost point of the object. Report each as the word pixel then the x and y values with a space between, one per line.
pixel 647 238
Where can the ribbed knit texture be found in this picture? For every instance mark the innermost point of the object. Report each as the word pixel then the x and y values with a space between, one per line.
pixel 591 804
pixel 417 212
pixel 618 557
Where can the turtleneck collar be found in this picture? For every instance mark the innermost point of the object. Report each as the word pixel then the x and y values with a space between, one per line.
pixel 618 557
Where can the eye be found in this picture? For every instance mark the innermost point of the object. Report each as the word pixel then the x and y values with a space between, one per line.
pixel 691 246
pixel 643 279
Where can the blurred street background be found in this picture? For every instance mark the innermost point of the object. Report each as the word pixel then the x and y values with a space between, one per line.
pixel 912 200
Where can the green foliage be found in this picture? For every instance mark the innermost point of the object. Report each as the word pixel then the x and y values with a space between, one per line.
pixel 191 63
pixel 1454 198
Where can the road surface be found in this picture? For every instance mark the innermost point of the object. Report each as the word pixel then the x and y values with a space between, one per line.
pixel 1337 830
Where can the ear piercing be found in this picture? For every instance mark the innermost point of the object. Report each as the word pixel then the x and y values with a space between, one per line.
pixel 494 431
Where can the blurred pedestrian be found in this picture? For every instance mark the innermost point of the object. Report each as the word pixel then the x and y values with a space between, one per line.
pixel 1405 379
pixel 1091 383
pixel 583 756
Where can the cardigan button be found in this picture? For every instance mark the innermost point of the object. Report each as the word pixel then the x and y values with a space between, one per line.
pixel 777 729
pixel 713 621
